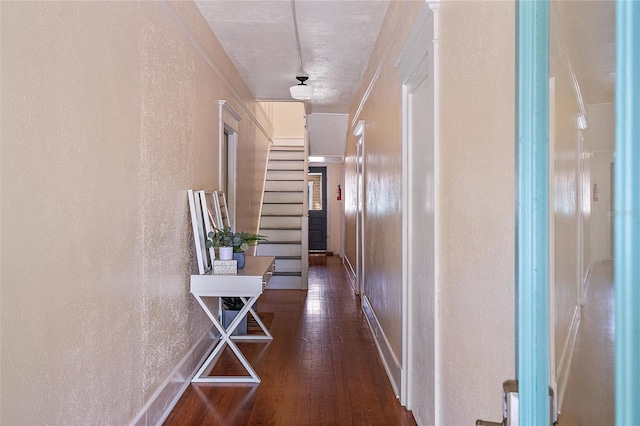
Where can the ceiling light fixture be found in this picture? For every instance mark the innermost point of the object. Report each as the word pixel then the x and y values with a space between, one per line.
pixel 301 91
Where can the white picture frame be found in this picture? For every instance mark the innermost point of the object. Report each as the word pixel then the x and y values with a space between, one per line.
pixel 210 222
pixel 199 234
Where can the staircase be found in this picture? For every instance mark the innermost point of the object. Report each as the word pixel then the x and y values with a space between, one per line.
pixel 284 219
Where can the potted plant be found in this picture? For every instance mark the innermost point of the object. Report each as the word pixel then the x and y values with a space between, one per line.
pixel 238 241
pixel 232 306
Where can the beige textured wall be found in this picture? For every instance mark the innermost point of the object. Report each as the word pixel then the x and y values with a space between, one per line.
pixel 109 116
pixel 289 120
pixel 477 205
pixel 476 239
pixel 383 175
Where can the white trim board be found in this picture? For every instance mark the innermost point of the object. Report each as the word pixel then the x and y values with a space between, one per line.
pixel 587 280
pixel 389 360
pixel 350 272
pixel 564 368
pixel 417 65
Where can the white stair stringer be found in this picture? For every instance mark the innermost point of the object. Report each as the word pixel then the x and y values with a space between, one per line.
pixel 284 219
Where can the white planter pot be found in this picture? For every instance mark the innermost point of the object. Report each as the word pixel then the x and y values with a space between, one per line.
pixel 225 253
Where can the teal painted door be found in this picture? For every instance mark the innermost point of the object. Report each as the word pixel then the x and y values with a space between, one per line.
pixel 627 213
pixel 532 354
pixel 532 288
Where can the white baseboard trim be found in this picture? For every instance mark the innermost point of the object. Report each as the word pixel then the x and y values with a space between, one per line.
pixel 159 406
pixel 587 281
pixel 350 273
pixel 569 345
pixel 567 355
pixel 390 362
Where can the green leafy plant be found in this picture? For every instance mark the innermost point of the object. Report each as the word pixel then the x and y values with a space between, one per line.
pixel 232 303
pixel 240 241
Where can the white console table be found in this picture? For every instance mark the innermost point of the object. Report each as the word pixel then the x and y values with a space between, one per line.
pixel 248 286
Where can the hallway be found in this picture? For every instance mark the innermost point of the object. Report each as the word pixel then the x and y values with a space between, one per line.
pixel 590 391
pixel 322 366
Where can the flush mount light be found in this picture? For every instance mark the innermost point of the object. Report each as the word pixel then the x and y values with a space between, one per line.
pixel 301 91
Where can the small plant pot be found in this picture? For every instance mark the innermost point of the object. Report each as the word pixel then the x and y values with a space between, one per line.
pixel 240 258
pixel 225 253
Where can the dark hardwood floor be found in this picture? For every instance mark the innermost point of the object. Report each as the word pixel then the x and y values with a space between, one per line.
pixel 322 367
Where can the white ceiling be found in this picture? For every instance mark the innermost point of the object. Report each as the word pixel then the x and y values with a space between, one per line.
pixel 336 39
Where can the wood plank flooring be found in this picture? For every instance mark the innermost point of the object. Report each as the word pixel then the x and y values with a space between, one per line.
pixel 322 367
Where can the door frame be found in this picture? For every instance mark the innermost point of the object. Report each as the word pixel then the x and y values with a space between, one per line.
pixel 627 218
pixel 228 125
pixel 532 28
pixel 553 379
pixel 322 170
pixel 360 196
pixel 417 64
pixel 532 229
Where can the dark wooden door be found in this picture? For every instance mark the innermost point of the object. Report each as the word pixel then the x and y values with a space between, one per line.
pixel 317 208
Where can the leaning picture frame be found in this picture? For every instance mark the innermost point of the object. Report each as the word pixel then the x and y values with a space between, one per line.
pixel 210 223
pixel 199 234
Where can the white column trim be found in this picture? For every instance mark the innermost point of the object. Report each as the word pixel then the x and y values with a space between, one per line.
pixel 435 9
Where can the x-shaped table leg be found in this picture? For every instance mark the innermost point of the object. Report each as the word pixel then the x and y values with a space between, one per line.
pixel 267 335
pixel 226 339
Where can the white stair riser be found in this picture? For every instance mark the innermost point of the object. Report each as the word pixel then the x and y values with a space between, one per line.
pixel 286 155
pixel 279 249
pixel 285 283
pixel 284 185
pixel 285 175
pixel 283 197
pixel 288 265
pixel 287 165
pixel 287 146
pixel 282 234
pixel 283 214
pixel 283 209
pixel 281 222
